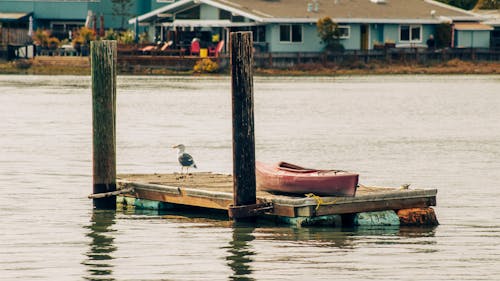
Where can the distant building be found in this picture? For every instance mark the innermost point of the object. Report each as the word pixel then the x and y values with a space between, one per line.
pixel 492 19
pixel 290 25
pixel 61 17
pixel 277 25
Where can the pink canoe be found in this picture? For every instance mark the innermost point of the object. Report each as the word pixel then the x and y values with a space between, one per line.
pixel 289 178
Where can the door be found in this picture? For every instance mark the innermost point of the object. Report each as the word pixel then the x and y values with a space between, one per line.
pixel 365 36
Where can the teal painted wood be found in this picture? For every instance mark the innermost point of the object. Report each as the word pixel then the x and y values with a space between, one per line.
pixel 154 4
pixel 472 38
pixel 152 205
pixel 327 221
pixel 310 40
pixel 312 43
pixel 62 11
pixel 377 34
pixel 391 33
pixel 74 11
pixel 354 40
pixel 143 204
pixel 382 218
pixel 17 6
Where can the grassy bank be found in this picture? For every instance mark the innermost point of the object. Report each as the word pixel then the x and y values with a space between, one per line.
pixel 81 66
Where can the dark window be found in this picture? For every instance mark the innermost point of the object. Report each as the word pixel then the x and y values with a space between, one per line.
pixel 224 15
pixel 415 33
pixel 405 33
pixel 291 33
pixel 296 33
pixel 344 31
pixel 410 33
pixel 284 33
pixel 259 33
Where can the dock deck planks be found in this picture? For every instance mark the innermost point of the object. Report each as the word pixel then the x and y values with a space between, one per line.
pixel 214 191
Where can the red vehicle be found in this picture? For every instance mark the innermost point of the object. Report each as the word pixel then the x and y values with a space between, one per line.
pixel 289 178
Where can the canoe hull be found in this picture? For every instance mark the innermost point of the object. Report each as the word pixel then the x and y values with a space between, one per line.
pixel 298 180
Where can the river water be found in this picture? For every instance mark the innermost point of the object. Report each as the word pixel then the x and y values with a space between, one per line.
pixel 429 131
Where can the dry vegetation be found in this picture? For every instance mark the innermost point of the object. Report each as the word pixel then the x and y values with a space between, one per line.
pixel 82 67
pixel 454 66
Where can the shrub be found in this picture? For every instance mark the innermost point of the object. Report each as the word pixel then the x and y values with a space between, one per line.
pixel 443 35
pixel 126 37
pixel 53 43
pixel 23 64
pixel 206 66
pixel 330 34
pixel 41 37
pixel 111 34
pixel 83 36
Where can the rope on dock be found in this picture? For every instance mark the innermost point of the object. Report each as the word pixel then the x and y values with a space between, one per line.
pixel 112 193
pixel 319 200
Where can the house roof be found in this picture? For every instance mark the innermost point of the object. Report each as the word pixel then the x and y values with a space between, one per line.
pixel 349 10
pixel 368 11
pixel 492 17
pixel 471 26
pixel 7 17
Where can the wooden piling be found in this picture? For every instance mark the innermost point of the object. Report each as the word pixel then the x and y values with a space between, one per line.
pixel 103 72
pixel 244 182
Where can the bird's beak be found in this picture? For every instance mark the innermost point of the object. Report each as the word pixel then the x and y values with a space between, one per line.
pixel 175 146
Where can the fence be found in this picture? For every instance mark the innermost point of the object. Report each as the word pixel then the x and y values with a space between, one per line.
pixel 285 60
pixel 15 36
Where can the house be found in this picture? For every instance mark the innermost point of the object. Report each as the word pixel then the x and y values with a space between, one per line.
pixel 278 25
pixel 17 18
pixel 492 18
pixel 290 25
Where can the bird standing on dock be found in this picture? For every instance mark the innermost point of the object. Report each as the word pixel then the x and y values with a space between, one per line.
pixel 185 159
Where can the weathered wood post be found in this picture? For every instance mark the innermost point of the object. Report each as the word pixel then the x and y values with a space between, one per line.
pixel 244 183
pixel 103 68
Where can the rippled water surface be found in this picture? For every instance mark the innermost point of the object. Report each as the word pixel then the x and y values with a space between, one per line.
pixel 431 131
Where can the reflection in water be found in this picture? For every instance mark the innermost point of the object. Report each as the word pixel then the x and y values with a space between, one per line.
pixel 346 237
pixel 416 231
pixel 101 245
pixel 241 253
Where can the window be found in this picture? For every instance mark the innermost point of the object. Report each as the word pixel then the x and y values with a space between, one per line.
pixel 344 31
pixel 291 33
pixel 410 33
pixel 224 15
pixel 259 33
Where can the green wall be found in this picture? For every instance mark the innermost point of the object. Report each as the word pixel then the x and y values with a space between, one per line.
pixel 76 10
pixel 472 39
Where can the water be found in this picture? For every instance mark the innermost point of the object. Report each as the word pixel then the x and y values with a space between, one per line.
pixel 431 131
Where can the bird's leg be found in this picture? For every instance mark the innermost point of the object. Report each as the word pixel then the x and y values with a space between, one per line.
pixel 185 175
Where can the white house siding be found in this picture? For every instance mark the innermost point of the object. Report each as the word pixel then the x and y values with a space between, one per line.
pixel 208 12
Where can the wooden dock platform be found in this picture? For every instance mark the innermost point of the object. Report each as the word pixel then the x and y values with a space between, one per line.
pixel 214 191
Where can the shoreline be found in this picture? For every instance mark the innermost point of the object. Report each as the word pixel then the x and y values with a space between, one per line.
pixel 81 66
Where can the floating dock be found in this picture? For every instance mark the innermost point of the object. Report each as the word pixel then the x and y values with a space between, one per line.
pixel 370 206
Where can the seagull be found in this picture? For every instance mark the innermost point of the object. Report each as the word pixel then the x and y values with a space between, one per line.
pixel 185 159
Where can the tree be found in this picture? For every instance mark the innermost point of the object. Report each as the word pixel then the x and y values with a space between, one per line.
pixel 329 33
pixel 443 35
pixel 121 8
pixel 464 4
pixel 488 4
